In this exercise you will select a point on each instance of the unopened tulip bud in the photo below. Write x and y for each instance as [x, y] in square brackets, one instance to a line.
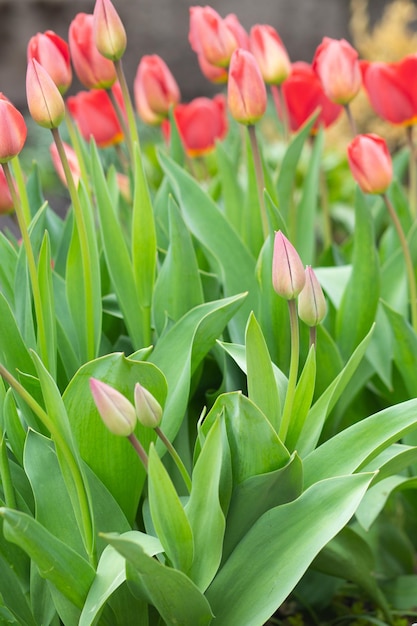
[109, 32]
[246, 91]
[288, 276]
[270, 54]
[155, 89]
[210, 36]
[370, 163]
[52, 52]
[311, 302]
[148, 409]
[45, 102]
[115, 410]
[337, 65]
[13, 130]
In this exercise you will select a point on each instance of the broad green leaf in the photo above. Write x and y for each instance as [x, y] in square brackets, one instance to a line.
[303, 397]
[63, 567]
[392, 460]
[356, 446]
[8, 261]
[376, 498]
[279, 548]
[174, 595]
[168, 516]
[262, 388]
[48, 304]
[334, 281]
[204, 511]
[13, 427]
[13, 595]
[404, 348]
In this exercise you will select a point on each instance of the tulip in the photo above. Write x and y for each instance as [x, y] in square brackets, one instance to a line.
[92, 68]
[94, 113]
[288, 276]
[236, 28]
[200, 123]
[109, 33]
[210, 36]
[115, 410]
[13, 130]
[52, 52]
[214, 74]
[337, 66]
[392, 90]
[45, 102]
[311, 302]
[155, 89]
[148, 409]
[246, 91]
[72, 162]
[6, 201]
[270, 54]
[303, 95]
[370, 163]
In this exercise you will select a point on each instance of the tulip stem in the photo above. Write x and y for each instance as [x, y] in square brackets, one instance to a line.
[313, 336]
[351, 120]
[139, 449]
[33, 272]
[75, 141]
[132, 136]
[176, 457]
[284, 113]
[259, 178]
[408, 261]
[293, 373]
[412, 169]
[121, 118]
[21, 185]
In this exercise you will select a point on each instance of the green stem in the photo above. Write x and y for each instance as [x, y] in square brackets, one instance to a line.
[33, 272]
[72, 463]
[176, 457]
[313, 336]
[351, 120]
[84, 245]
[132, 136]
[5, 475]
[139, 449]
[21, 185]
[259, 178]
[407, 258]
[293, 373]
[76, 144]
[121, 119]
[412, 169]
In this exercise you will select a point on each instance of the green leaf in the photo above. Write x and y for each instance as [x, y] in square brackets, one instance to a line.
[175, 596]
[232, 193]
[303, 397]
[279, 548]
[13, 595]
[8, 261]
[251, 211]
[47, 300]
[404, 348]
[376, 498]
[13, 427]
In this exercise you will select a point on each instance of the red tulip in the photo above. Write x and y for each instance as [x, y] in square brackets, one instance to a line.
[210, 36]
[270, 54]
[13, 130]
[200, 123]
[303, 94]
[6, 202]
[392, 89]
[45, 102]
[92, 68]
[246, 92]
[155, 89]
[52, 52]
[109, 33]
[94, 113]
[370, 163]
[337, 66]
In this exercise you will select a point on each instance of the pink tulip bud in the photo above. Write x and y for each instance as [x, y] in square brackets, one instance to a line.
[270, 54]
[148, 409]
[337, 65]
[13, 130]
[52, 52]
[311, 302]
[288, 276]
[155, 89]
[115, 410]
[109, 32]
[45, 103]
[370, 163]
[210, 36]
[246, 91]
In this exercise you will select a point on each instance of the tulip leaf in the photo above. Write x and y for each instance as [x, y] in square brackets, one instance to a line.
[231, 191]
[8, 262]
[303, 397]
[13, 595]
[48, 304]
[404, 348]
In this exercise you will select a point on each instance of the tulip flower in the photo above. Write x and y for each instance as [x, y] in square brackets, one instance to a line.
[337, 65]
[370, 163]
[109, 33]
[6, 201]
[148, 409]
[13, 130]
[270, 54]
[392, 89]
[303, 95]
[155, 89]
[94, 113]
[236, 28]
[311, 302]
[72, 162]
[210, 36]
[117, 413]
[45, 102]
[246, 91]
[200, 123]
[288, 276]
[52, 52]
[92, 68]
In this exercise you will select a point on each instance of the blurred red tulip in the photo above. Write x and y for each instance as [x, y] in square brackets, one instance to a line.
[94, 113]
[303, 95]
[52, 52]
[270, 53]
[200, 123]
[155, 89]
[337, 65]
[392, 89]
[6, 202]
[94, 71]
[246, 91]
[13, 130]
[370, 163]
[210, 36]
